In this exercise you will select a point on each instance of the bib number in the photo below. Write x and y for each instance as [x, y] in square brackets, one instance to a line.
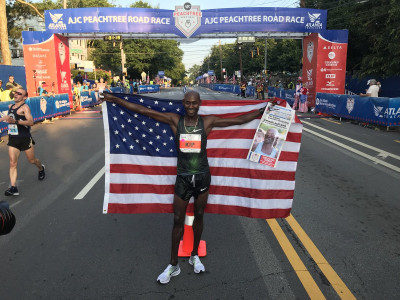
[190, 143]
[12, 129]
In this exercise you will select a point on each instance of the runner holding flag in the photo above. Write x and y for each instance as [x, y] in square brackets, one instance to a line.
[193, 173]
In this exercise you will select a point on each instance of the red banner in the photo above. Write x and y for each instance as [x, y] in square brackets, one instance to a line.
[331, 67]
[47, 66]
[310, 51]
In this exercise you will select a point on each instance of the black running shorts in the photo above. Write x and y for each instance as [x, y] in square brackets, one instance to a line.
[187, 186]
[21, 143]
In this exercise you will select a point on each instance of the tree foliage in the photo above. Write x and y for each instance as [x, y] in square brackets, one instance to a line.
[374, 35]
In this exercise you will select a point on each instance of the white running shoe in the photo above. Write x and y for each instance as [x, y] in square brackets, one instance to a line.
[197, 265]
[170, 271]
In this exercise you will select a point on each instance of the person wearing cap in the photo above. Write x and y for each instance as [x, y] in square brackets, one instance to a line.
[373, 89]
[42, 89]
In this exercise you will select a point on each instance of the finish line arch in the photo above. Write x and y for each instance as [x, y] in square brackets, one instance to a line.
[46, 53]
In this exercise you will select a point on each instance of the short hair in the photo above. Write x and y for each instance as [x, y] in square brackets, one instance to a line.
[372, 81]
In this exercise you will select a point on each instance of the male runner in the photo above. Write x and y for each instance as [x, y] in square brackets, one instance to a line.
[19, 121]
[193, 178]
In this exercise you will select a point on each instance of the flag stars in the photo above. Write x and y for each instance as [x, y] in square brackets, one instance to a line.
[171, 138]
[122, 125]
[143, 135]
[117, 146]
[157, 124]
[164, 131]
[131, 147]
[158, 137]
[151, 129]
[144, 148]
[143, 123]
[124, 140]
[116, 131]
[178, 109]
[158, 150]
[151, 143]
[135, 115]
[165, 144]
[163, 109]
[114, 104]
[136, 128]
[171, 150]
[141, 100]
[115, 118]
[129, 120]
[137, 141]
[130, 133]
[156, 102]
[121, 112]
[170, 103]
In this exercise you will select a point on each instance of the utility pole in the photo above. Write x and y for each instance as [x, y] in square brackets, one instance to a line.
[5, 46]
[220, 60]
[65, 4]
[241, 67]
[123, 61]
[265, 57]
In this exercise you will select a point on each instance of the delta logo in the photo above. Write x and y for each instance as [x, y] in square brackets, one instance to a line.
[58, 23]
[315, 22]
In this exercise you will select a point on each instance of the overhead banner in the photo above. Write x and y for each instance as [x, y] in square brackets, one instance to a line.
[185, 21]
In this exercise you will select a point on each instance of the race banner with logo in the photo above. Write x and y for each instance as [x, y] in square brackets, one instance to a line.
[310, 49]
[382, 111]
[186, 21]
[324, 63]
[331, 65]
[46, 57]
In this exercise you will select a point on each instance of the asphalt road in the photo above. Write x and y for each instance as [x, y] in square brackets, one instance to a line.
[346, 201]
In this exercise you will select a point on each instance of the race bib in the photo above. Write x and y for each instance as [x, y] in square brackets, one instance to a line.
[190, 143]
[12, 129]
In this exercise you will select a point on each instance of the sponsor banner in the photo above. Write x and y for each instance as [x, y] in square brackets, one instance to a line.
[62, 64]
[41, 108]
[46, 58]
[229, 88]
[39, 62]
[331, 65]
[382, 111]
[185, 21]
[287, 95]
[310, 49]
[148, 89]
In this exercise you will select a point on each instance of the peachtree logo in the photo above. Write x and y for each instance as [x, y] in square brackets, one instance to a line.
[315, 23]
[57, 22]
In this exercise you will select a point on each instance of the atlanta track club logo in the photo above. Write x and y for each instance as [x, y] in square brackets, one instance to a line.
[187, 18]
[315, 22]
[57, 20]
[350, 104]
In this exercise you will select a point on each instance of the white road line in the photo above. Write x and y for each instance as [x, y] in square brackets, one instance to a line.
[370, 157]
[380, 151]
[14, 204]
[91, 183]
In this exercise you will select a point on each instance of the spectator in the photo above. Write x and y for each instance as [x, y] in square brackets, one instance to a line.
[7, 95]
[373, 89]
[42, 89]
[1, 86]
[79, 78]
[303, 105]
[85, 86]
[13, 83]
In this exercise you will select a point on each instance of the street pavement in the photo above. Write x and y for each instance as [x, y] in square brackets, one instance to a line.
[346, 201]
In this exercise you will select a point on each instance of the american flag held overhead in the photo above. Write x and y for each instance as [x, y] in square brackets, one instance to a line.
[141, 161]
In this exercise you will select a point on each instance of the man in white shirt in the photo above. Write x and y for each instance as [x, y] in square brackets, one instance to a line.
[373, 89]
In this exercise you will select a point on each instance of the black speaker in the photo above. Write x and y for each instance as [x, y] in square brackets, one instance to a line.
[7, 218]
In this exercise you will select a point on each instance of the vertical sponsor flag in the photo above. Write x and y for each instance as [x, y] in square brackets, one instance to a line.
[141, 162]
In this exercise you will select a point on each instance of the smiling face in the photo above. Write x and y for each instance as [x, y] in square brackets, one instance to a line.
[259, 137]
[192, 103]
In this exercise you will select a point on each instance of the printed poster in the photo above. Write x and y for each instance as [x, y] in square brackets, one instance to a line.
[270, 135]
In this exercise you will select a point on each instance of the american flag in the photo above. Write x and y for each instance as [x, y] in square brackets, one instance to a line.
[141, 162]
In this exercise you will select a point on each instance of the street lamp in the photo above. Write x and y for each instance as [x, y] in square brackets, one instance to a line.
[240, 57]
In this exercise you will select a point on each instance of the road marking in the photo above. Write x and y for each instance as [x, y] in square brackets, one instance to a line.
[353, 141]
[397, 141]
[330, 274]
[14, 204]
[91, 183]
[336, 122]
[304, 275]
[370, 157]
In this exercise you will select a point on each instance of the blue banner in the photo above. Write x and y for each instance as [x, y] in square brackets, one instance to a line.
[382, 111]
[41, 108]
[152, 88]
[184, 22]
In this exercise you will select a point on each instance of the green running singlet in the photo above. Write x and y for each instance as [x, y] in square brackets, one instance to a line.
[191, 143]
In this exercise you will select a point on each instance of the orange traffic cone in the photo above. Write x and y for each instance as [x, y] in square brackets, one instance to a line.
[186, 245]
